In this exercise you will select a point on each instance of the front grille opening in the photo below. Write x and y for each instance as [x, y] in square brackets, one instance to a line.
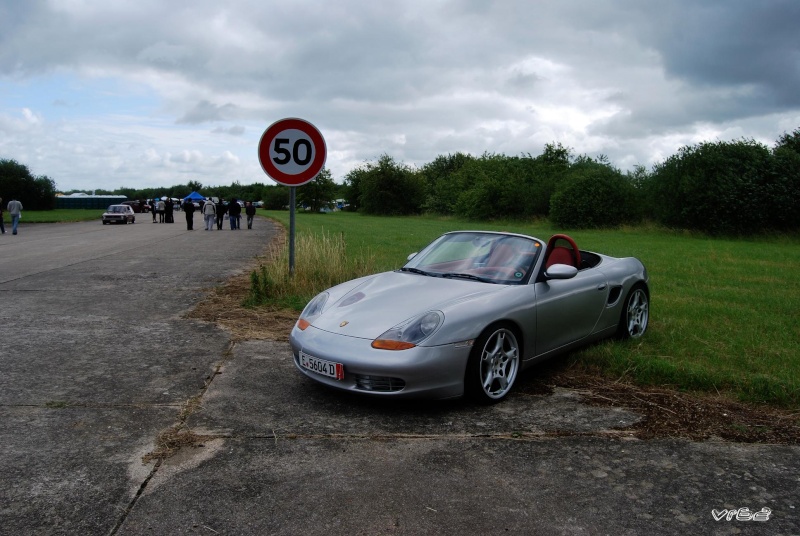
[382, 384]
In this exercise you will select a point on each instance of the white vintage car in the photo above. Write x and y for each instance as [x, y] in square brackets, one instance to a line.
[119, 214]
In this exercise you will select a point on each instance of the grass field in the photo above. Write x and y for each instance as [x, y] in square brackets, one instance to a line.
[56, 216]
[724, 313]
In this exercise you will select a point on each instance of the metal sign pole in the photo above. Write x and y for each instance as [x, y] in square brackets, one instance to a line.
[291, 229]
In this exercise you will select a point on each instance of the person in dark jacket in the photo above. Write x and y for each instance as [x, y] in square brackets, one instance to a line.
[188, 208]
[250, 211]
[221, 208]
[169, 206]
[234, 213]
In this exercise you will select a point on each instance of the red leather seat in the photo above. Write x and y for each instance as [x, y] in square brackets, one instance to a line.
[571, 256]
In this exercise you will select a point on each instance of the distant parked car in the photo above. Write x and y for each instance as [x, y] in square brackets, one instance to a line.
[119, 214]
[137, 206]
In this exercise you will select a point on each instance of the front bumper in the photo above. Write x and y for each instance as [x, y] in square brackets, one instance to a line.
[420, 372]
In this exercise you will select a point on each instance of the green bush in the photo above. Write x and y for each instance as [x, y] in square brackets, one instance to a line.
[782, 188]
[499, 186]
[719, 188]
[390, 188]
[593, 197]
[17, 182]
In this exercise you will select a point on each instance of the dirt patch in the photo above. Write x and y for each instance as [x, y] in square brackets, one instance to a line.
[223, 305]
[674, 414]
[667, 413]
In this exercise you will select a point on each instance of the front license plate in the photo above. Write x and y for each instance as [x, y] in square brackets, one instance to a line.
[321, 366]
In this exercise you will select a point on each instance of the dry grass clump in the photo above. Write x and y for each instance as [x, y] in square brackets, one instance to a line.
[170, 441]
[321, 261]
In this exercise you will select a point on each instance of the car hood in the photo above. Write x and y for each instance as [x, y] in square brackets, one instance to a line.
[385, 300]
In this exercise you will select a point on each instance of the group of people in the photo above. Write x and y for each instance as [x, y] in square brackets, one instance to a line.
[15, 211]
[214, 213]
[163, 209]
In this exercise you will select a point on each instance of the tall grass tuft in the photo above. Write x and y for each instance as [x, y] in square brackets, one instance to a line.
[322, 260]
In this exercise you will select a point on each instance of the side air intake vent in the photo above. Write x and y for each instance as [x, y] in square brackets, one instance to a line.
[613, 295]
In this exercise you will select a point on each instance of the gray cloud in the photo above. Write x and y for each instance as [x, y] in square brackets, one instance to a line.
[631, 79]
[205, 111]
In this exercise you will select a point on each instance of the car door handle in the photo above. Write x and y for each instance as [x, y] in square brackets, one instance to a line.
[601, 286]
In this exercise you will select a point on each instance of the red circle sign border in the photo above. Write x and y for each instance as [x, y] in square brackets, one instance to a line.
[320, 151]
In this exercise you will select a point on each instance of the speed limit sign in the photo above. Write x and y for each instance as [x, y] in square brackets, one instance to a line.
[292, 152]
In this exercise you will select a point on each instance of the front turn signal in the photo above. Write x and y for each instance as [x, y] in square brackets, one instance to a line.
[388, 344]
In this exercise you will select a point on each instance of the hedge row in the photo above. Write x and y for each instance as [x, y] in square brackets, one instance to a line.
[739, 187]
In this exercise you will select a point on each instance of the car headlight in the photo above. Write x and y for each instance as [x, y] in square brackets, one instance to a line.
[312, 310]
[410, 333]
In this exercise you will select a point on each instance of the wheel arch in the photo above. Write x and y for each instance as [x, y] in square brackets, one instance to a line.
[511, 324]
[475, 375]
[638, 285]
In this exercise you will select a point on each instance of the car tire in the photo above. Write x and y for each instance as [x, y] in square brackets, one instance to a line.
[635, 313]
[493, 365]
[104, 222]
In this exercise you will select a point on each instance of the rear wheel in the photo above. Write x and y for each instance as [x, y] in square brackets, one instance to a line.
[635, 314]
[493, 365]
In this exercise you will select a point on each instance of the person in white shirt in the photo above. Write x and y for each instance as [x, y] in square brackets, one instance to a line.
[209, 214]
[15, 211]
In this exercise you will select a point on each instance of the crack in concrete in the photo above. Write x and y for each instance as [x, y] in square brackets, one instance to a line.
[178, 431]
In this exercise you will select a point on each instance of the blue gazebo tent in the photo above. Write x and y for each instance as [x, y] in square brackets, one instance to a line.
[194, 196]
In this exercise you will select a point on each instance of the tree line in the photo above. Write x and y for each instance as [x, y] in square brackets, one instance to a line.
[736, 187]
[724, 188]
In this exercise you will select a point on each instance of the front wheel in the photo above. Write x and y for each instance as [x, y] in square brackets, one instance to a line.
[493, 365]
[635, 314]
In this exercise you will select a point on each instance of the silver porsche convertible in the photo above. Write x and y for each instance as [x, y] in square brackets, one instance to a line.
[466, 314]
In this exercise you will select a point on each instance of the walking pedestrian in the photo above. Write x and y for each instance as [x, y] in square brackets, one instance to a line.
[209, 214]
[2, 225]
[188, 208]
[15, 210]
[234, 213]
[250, 211]
[162, 207]
[220, 213]
[169, 207]
[153, 209]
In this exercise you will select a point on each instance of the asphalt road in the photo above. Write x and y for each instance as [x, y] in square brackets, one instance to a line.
[98, 360]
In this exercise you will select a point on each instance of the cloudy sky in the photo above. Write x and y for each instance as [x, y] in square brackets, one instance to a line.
[110, 93]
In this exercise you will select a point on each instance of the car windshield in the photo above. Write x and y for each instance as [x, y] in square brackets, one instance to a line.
[487, 257]
[118, 208]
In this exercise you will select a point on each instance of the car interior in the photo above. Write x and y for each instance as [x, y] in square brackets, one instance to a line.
[561, 249]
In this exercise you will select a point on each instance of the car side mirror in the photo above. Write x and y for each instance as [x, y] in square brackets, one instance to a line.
[561, 271]
[411, 256]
